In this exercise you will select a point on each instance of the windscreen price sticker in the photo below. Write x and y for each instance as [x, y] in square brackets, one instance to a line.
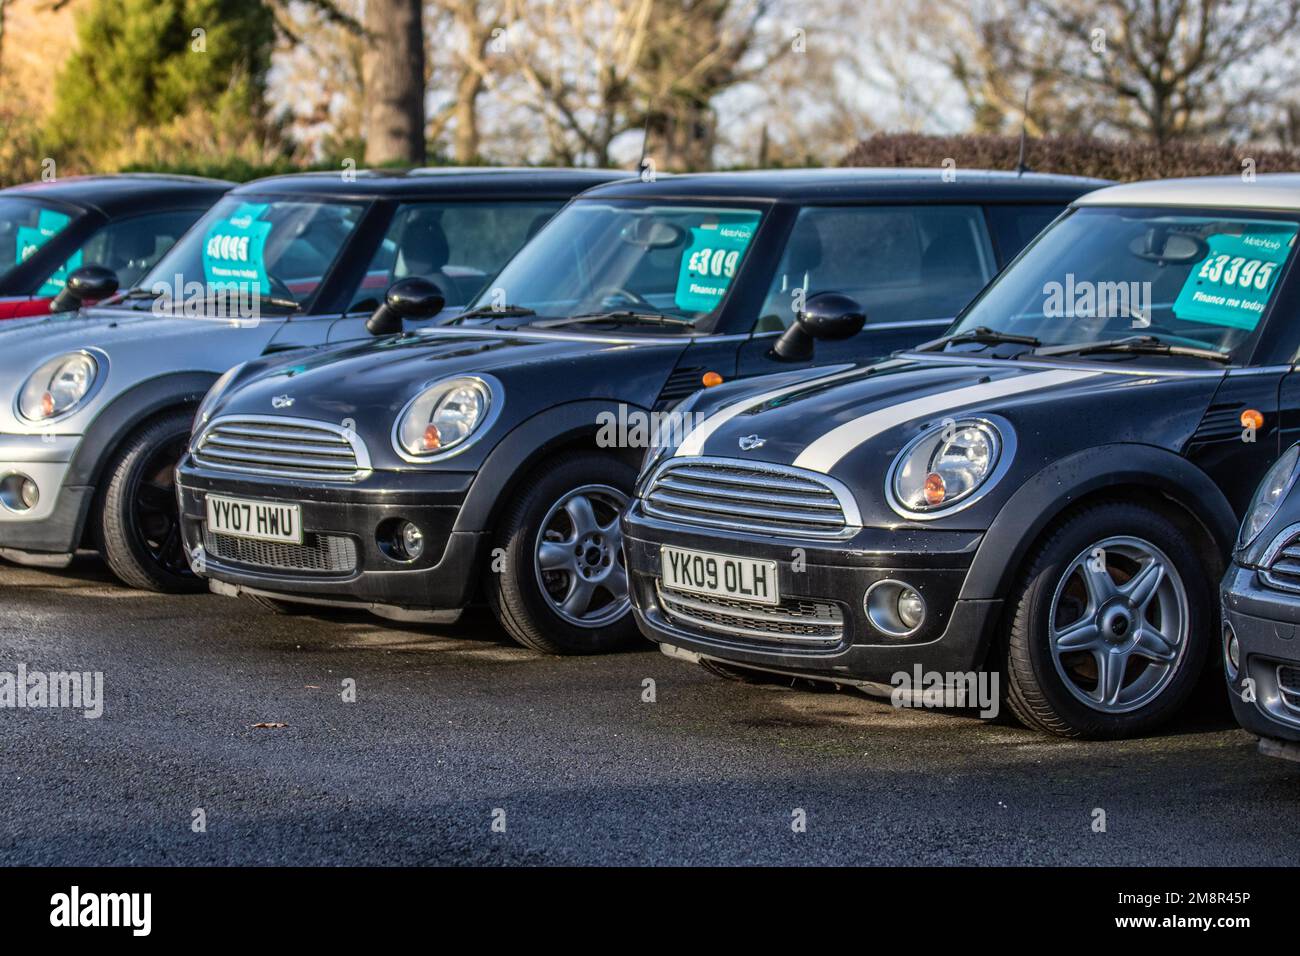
[709, 263]
[1233, 283]
[233, 251]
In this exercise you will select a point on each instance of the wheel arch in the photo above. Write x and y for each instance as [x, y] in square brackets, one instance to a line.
[1120, 471]
[574, 425]
[122, 417]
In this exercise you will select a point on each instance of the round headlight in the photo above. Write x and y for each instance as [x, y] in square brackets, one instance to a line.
[443, 416]
[57, 387]
[945, 465]
[1269, 495]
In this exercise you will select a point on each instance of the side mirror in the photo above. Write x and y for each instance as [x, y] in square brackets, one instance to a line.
[826, 315]
[87, 284]
[409, 298]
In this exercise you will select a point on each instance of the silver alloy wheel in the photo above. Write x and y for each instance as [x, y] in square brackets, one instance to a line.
[1119, 624]
[579, 557]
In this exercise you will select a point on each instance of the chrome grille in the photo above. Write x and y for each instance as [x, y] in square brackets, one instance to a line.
[749, 496]
[282, 448]
[1288, 683]
[794, 620]
[1282, 564]
[323, 553]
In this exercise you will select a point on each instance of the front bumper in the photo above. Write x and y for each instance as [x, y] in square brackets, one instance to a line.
[342, 562]
[1266, 622]
[49, 533]
[820, 575]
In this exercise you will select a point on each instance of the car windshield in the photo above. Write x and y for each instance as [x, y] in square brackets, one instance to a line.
[663, 266]
[1199, 279]
[25, 226]
[268, 254]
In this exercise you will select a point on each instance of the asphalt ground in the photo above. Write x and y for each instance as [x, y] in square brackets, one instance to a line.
[461, 748]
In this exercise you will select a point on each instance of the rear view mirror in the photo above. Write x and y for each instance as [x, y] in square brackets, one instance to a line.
[1172, 248]
[826, 315]
[87, 284]
[652, 233]
[410, 298]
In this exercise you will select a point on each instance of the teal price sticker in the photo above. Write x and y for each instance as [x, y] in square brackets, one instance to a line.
[234, 250]
[1233, 284]
[709, 262]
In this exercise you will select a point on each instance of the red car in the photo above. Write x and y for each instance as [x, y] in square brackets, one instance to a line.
[121, 223]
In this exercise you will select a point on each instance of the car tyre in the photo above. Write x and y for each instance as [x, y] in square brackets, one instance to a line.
[562, 586]
[1109, 625]
[139, 527]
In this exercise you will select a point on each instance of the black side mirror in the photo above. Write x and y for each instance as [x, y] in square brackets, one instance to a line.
[409, 298]
[87, 284]
[826, 315]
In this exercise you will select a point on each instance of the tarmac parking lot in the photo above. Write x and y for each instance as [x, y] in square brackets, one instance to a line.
[461, 748]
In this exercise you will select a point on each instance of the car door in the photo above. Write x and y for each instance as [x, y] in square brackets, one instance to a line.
[912, 268]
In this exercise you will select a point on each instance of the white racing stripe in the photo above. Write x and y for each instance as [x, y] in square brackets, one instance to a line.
[825, 452]
[694, 443]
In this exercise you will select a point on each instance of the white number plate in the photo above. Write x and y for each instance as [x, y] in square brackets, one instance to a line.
[719, 574]
[256, 520]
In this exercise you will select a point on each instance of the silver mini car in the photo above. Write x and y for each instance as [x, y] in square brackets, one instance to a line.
[96, 406]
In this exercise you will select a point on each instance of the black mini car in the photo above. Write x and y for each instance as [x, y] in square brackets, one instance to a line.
[1047, 494]
[1261, 613]
[122, 223]
[494, 453]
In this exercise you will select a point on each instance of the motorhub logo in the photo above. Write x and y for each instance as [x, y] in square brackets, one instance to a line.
[77, 909]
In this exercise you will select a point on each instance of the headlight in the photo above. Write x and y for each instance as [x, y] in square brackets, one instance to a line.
[1269, 495]
[442, 417]
[214, 394]
[944, 466]
[57, 387]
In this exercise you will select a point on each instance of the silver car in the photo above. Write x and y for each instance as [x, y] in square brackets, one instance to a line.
[96, 406]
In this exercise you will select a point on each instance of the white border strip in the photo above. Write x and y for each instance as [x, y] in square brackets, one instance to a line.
[694, 443]
[824, 453]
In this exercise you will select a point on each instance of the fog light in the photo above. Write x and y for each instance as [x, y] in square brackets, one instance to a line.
[412, 541]
[19, 493]
[894, 608]
[1231, 652]
[911, 609]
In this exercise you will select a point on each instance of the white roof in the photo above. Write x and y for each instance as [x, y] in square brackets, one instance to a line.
[1266, 191]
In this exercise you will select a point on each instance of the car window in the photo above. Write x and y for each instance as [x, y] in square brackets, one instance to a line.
[901, 263]
[676, 262]
[1196, 277]
[1015, 226]
[25, 226]
[459, 246]
[276, 252]
[130, 247]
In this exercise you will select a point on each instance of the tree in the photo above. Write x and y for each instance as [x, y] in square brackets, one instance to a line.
[143, 64]
[393, 81]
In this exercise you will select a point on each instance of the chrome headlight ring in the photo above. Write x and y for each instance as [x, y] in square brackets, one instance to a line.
[1001, 438]
[95, 359]
[432, 394]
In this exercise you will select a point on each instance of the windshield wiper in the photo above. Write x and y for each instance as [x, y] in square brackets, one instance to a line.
[981, 334]
[1148, 344]
[494, 312]
[622, 315]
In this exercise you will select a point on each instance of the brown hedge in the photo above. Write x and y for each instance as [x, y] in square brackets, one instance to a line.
[1076, 155]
